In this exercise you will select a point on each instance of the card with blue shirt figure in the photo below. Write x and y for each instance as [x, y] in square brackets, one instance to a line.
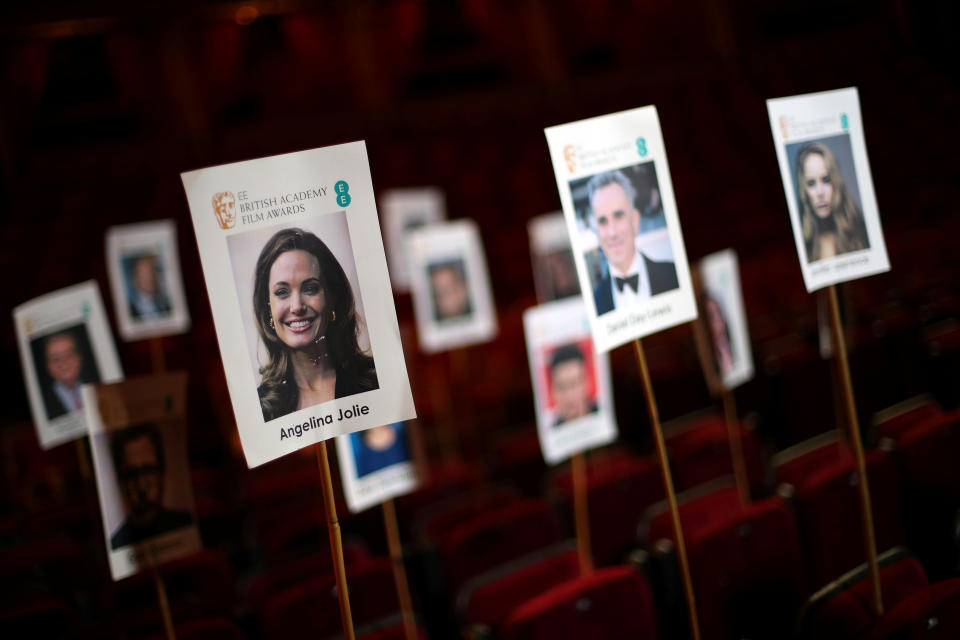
[376, 465]
[619, 207]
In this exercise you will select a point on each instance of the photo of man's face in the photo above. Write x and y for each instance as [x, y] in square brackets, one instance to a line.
[570, 384]
[63, 359]
[139, 459]
[617, 222]
[141, 477]
[145, 274]
[450, 293]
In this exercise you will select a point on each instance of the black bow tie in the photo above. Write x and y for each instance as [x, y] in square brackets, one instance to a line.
[632, 281]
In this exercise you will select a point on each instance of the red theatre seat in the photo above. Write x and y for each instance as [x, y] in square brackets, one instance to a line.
[827, 500]
[842, 609]
[391, 632]
[745, 563]
[488, 598]
[310, 608]
[932, 614]
[927, 457]
[620, 489]
[609, 604]
[497, 537]
[895, 421]
[700, 452]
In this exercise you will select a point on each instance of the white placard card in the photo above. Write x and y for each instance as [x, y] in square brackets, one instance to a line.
[730, 360]
[376, 465]
[554, 272]
[144, 269]
[64, 343]
[138, 438]
[617, 198]
[451, 287]
[403, 211]
[297, 279]
[826, 176]
[571, 380]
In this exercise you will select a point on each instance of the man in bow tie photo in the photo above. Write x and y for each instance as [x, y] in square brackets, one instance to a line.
[615, 218]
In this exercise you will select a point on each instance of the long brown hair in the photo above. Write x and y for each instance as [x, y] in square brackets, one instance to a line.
[277, 390]
[845, 215]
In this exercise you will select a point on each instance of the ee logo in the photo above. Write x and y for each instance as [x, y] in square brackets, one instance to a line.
[844, 121]
[342, 189]
[642, 147]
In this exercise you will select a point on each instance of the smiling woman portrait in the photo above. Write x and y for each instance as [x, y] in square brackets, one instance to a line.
[830, 219]
[307, 319]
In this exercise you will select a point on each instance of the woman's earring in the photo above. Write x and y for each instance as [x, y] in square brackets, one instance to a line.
[271, 325]
[333, 315]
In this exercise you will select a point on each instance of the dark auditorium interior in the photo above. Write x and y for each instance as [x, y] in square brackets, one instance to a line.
[104, 103]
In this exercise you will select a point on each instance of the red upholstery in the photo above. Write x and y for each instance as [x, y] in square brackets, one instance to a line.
[497, 537]
[288, 574]
[40, 618]
[931, 614]
[927, 456]
[609, 604]
[310, 608]
[203, 582]
[205, 629]
[493, 596]
[701, 452]
[895, 426]
[695, 513]
[391, 632]
[746, 571]
[435, 521]
[827, 501]
[619, 491]
[845, 611]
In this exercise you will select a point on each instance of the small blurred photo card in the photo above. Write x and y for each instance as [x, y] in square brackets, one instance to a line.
[450, 284]
[138, 439]
[554, 272]
[65, 343]
[727, 358]
[826, 176]
[297, 279]
[617, 198]
[376, 465]
[145, 280]
[405, 210]
[571, 380]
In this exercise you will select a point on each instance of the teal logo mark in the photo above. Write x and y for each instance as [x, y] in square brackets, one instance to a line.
[342, 189]
[642, 147]
[844, 121]
[85, 309]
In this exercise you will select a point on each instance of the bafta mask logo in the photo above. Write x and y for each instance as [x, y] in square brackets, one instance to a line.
[570, 157]
[224, 206]
[785, 127]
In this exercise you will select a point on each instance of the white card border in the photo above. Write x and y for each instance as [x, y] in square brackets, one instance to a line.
[565, 321]
[393, 400]
[157, 233]
[48, 311]
[826, 106]
[709, 266]
[617, 134]
[384, 484]
[458, 239]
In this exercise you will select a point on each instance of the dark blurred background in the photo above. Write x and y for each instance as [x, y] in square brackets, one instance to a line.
[104, 103]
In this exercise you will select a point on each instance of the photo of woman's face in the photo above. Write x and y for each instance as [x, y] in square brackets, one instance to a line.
[718, 327]
[297, 298]
[817, 183]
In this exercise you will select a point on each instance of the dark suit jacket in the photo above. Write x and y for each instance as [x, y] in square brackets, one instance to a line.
[52, 403]
[663, 277]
